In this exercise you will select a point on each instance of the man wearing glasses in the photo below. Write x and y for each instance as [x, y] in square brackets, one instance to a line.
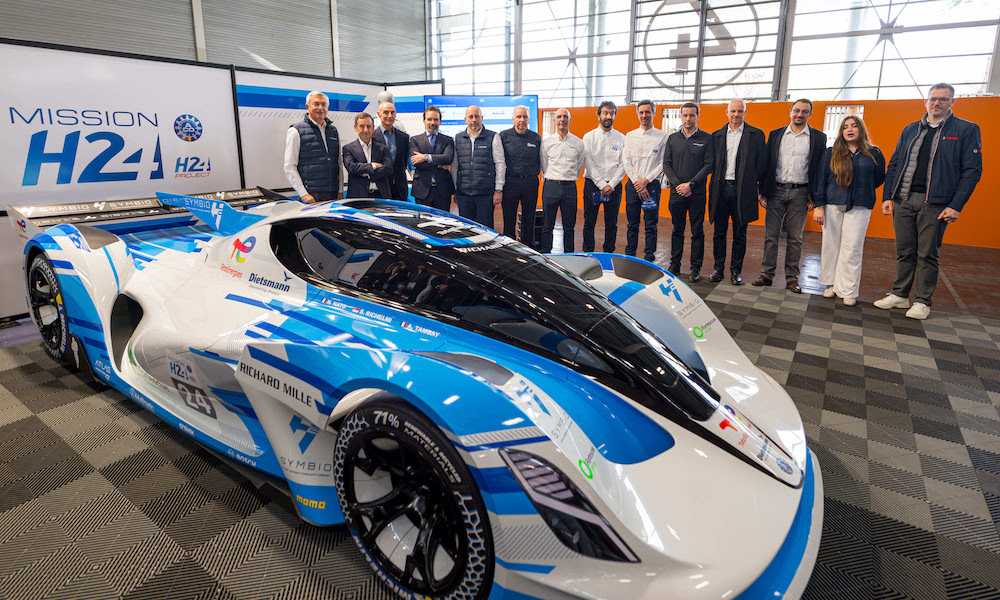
[933, 171]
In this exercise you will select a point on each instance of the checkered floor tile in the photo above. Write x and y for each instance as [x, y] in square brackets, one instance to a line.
[904, 417]
[99, 499]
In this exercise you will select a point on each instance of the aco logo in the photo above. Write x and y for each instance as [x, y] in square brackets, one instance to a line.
[188, 128]
[240, 249]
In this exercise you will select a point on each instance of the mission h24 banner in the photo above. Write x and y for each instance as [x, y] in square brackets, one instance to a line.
[86, 127]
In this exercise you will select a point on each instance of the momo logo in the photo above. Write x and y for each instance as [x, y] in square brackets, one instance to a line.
[297, 425]
[240, 249]
[188, 128]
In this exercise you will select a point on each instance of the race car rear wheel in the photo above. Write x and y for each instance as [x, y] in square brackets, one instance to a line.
[47, 308]
[412, 505]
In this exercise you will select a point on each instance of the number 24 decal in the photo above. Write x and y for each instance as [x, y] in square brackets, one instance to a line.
[195, 398]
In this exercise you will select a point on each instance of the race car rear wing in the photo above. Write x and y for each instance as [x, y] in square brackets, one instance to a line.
[28, 221]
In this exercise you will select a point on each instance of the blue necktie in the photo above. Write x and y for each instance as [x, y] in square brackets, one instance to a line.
[390, 142]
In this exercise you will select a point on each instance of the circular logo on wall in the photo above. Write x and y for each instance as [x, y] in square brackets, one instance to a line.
[188, 128]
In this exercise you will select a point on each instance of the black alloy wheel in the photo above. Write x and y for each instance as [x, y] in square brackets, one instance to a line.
[412, 505]
[47, 308]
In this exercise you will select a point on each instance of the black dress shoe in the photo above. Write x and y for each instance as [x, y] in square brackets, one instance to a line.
[715, 277]
[674, 269]
[736, 279]
[695, 277]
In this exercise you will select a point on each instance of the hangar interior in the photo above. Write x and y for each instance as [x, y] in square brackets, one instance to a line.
[101, 499]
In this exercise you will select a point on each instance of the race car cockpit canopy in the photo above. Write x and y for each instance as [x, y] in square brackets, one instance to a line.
[501, 289]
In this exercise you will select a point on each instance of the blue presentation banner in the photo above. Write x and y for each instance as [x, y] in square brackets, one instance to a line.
[498, 111]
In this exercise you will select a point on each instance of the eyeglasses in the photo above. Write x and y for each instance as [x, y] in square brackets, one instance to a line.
[938, 100]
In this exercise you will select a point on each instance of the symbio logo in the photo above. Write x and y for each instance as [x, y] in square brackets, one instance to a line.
[241, 248]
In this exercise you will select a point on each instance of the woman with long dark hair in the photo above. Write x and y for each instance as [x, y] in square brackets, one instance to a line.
[844, 194]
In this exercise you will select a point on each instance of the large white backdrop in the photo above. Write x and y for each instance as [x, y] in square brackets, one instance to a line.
[85, 127]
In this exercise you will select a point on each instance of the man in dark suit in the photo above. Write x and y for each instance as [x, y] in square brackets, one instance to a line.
[793, 156]
[398, 144]
[431, 154]
[740, 166]
[367, 162]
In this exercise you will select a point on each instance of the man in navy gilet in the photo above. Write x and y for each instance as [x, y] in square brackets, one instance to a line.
[312, 153]
[478, 169]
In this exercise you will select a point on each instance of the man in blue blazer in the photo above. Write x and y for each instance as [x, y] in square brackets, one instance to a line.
[367, 162]
[398, 143]
[431, 154]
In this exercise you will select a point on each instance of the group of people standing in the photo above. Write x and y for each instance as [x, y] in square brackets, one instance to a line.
[933, 171]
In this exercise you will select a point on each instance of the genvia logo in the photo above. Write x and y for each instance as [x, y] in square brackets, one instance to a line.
[241, 248]
[188, 128]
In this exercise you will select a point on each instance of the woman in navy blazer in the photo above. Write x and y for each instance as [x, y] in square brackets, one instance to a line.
[844, 194]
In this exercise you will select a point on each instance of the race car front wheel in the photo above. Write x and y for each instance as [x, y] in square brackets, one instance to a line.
[47, 308]
[412, 505]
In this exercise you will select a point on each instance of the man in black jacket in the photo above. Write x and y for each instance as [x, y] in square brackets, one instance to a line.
[687, 163]
[933, 170]
[793, 155]
[740, 166]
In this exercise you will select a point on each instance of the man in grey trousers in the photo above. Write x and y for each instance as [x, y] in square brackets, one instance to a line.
[936, 165]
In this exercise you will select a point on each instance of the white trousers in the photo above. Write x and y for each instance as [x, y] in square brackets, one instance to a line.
[843, 248]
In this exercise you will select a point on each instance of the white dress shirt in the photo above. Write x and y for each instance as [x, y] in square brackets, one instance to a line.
[732, 147]
[562, 157]
[367, 149]
[602, 155]
[292, 144]
[643, 154]
[499, 160]
[793, 156]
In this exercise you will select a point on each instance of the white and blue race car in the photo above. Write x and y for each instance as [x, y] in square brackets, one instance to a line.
[489, 422]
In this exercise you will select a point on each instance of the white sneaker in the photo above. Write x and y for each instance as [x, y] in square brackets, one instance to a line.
[850, 301]
[919, 310]
[828, 292]
[893, 301]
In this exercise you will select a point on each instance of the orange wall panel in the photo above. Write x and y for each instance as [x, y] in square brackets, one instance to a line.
[885, 120]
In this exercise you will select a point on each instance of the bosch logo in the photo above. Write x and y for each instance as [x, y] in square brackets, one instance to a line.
[188, 128]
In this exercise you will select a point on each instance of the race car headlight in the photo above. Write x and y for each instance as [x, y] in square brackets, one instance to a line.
[565, 509]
